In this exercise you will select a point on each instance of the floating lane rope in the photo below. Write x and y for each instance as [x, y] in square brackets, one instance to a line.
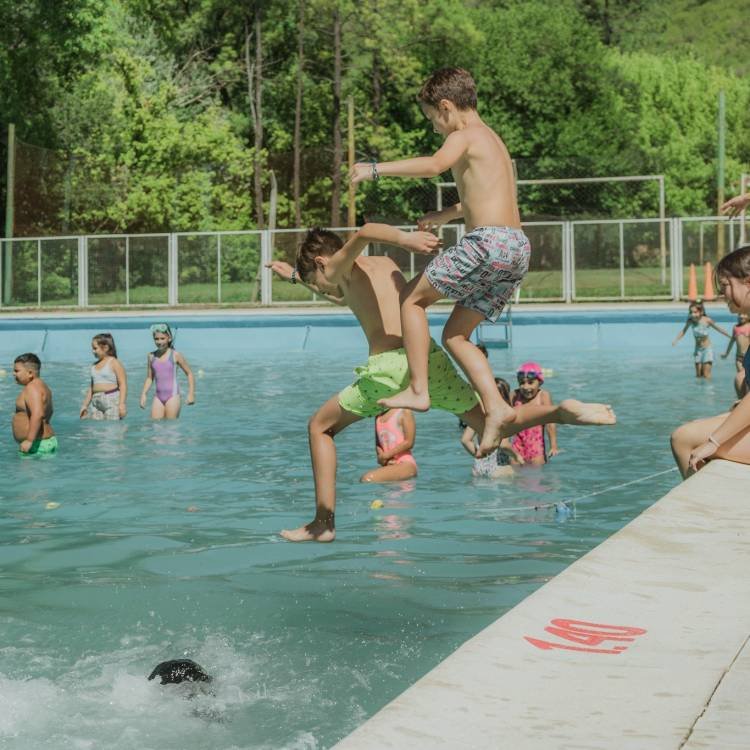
[567, 506]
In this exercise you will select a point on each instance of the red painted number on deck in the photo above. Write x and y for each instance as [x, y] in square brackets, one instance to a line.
[589, 634]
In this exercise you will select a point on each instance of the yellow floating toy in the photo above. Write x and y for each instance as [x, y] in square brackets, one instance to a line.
[52, 506]
[375, 504]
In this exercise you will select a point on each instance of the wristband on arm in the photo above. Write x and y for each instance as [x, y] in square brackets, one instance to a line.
[374, 167]
[714, 441]
[293, 277]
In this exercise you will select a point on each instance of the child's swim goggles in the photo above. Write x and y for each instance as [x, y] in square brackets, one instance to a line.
[528, 372]
[161, 328]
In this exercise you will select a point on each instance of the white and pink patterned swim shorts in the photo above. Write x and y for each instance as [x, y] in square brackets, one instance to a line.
[483, 270]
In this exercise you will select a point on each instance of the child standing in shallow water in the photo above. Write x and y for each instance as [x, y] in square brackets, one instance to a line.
[395, 431]
[498, 463]
[108, 390]
[31, 422]
[162, 368]
[700, 323]
[484, 269]
[530, 443]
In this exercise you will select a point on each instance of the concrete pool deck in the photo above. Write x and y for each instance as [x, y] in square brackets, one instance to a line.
[641, 644]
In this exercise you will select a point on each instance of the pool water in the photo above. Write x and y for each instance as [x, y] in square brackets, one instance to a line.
[141, 542]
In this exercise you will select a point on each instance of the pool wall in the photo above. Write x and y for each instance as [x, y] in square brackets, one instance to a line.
[67, 338]
[641, 643]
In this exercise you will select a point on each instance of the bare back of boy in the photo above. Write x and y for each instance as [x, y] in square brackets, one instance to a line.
[484, 178]
[37, 388]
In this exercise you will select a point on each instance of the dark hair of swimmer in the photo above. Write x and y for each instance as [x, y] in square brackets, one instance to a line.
[504, 387]
[106, 339]
[30, 360]
[176, 671]
[316, 242]
[735, 265]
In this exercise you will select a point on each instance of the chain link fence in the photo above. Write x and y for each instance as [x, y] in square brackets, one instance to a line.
[582, 260]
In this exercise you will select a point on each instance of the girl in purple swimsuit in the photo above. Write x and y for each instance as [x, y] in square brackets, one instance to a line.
[161, 368]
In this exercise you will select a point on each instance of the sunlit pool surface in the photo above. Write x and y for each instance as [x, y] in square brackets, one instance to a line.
[142, 542]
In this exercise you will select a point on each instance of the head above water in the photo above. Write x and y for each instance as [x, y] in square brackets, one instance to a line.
[317, 246]
[733, 279]
[176, 671]
[162, 334]
[530, 371]
[503, 386]
[29, 361]
[107, 342]
[696, 310]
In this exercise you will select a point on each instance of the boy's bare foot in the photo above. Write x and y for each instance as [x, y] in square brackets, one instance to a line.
[494, 421]
[407, 399]
[315, 531]
[578, 412]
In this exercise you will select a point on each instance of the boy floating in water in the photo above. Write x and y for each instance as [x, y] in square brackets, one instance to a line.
[370, 286]
[31, 427]
[484, 269]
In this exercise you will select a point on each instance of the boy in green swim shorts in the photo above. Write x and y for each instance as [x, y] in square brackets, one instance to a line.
[370, 287]
[31, 427]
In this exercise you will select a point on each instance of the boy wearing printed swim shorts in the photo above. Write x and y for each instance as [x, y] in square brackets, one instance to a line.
[370, 287]
[484, 269]
[31, 427]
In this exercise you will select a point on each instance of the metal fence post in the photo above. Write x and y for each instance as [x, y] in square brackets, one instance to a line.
[266, 279]
[83, 272]
[172, 271]
[622, 261]
[38, 273]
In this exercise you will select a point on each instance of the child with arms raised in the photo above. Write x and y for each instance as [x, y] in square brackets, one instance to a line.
[483, 270]
[370, 287]
[727, 435]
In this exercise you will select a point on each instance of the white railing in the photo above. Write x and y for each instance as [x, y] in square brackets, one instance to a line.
[595, 259]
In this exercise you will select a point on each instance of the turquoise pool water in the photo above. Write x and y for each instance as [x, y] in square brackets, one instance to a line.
[105, 571]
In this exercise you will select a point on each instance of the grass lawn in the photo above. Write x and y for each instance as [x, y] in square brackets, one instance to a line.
[600, 283]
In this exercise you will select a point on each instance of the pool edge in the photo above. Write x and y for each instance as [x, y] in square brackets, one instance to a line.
[675, 572]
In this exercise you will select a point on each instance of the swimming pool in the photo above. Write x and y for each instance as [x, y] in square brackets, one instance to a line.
[141, 542]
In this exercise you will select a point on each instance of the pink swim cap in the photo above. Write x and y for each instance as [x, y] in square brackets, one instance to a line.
[531, 368]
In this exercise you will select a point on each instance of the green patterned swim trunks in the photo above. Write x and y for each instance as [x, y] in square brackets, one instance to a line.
[45, 447]
[387, 373]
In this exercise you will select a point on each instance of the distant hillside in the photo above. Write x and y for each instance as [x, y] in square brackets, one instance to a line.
[715, 31]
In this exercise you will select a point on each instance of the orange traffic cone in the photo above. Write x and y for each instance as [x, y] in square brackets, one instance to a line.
[692, 285]
[708, 287]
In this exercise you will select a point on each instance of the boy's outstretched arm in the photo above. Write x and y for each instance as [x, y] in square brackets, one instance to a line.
[340, 265]
[732, 342]
[441, 161]
[284, 271]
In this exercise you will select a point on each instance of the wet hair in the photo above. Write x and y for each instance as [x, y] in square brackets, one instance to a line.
[735, 265]
[699, 305]
[30, 360]
[317, 242]
[454, 84]
[105, 339]
[163, 328]
[176, 671]
[504, 387]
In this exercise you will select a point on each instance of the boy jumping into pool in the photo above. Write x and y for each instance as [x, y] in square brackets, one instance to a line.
[484, 269]
[370, 287]
[31, 427]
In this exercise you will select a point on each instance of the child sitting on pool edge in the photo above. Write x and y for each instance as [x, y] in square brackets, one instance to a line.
[161, 367]
[727, 435]
[369, 286]
[31, 421]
